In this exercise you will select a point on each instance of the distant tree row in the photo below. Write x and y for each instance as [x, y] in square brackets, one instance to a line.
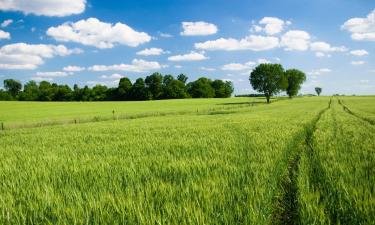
[155, 86]
[270, 79]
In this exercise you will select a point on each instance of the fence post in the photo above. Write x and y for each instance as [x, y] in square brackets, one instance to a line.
[2, 125]
[113, 113]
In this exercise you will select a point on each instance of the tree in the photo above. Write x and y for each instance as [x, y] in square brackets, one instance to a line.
[30, 92]
[182, 77]
[123, 90]
[154, 85]
[46, 91]
[318, 90]
[139, 91]
[201, 88]
[268, 79]
[295, 79]
[174, 90]
[13, 87]
[222, 89]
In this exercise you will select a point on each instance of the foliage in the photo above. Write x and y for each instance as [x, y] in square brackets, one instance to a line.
[156, 86]
[318, 90]
[268, 79]
[295, 79]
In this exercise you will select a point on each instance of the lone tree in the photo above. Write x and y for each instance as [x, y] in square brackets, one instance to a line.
[295, 79]
[268, 79]
[318, 90]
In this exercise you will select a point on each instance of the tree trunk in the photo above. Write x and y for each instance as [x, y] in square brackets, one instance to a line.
[268, 99]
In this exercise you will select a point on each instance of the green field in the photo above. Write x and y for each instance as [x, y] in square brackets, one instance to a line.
[196, 161]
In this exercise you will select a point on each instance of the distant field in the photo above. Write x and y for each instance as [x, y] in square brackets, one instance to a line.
[15, 111]
[301, 161]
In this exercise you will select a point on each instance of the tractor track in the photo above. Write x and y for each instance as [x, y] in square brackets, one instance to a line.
[346, 109]
[287, 207]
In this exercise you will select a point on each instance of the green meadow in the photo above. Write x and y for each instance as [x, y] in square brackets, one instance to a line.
[309, 160]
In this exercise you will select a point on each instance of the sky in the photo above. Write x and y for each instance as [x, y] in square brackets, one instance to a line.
[89, 42]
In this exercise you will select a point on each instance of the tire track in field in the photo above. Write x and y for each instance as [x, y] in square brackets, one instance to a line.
[346, 109]
[332, 197]
[287, 207]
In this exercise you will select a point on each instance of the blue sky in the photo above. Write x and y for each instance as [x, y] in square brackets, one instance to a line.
[91, 42]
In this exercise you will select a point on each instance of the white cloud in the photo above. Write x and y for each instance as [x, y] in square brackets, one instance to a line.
[29, 56]
[53, 74]
[252, 42]
[295, 40]
[4, 35]
[364, 81]
[6, 23]
[165, 35]
[357, 63]
[112, 76]
[238, 66]
[178, 66]
[207, 69]
[359, 52]
[137, 65]
[271, 25]
[260, 61]
[36, 78]
[45, 7]
[192, 56]
[319, 72]
[198, 28]
[151, 51]
[321, 46]
[322, 54]
[73, 68]
[361, 29]
[93, 32]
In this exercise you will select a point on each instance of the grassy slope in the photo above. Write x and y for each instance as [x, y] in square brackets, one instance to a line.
[192, 169]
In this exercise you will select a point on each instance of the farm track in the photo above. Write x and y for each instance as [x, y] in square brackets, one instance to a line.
[287, 207]
[331, 194]
[346, 109]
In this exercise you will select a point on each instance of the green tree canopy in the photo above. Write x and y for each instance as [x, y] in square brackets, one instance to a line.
[222, 89]
[295, 79]
[12, 86]
[124, 87]
[318, 90]
[201, 88]
[154, 84]
[268, 79]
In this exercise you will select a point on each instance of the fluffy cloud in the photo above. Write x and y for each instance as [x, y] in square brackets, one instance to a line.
[321, 46]
[359, 52]
[28, 56]
[319, 71]
[198, 28]
[151, 51]
[4, 35]
[112, 76]
[252, 42]
[6, 23]
[45, 7]
[93, 32]
[137, 65]
[238, 66]
[53, 74]
[295, 40]
[270, 25]
[73, 68]
[361, 28]
[357, 63]
[192, 56]
[207, 69]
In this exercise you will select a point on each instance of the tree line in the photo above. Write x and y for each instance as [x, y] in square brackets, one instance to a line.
[153, 87]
